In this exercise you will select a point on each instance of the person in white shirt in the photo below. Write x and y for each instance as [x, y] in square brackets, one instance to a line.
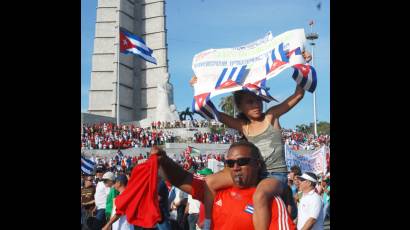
[119, 222]
[310, 208]
[193, 212]
[178, 203]
[101, 192]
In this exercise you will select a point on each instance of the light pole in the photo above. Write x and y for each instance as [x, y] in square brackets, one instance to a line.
[118, 67]
[312, 36]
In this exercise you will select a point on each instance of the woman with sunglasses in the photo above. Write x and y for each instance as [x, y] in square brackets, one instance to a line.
[262, 129]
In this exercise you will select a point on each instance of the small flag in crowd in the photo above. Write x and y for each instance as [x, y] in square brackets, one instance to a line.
[131, 43]
[191, 150]
[87, 166]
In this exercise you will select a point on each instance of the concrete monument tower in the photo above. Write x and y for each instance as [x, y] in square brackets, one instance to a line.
[144, 89]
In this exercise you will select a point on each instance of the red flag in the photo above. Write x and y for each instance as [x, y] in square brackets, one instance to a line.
[139, 201]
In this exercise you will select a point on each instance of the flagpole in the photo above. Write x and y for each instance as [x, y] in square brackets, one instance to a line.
[118, 67]
[314, 102]
[312, 36]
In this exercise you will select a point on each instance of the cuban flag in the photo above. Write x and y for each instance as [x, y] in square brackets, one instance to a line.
[203, 106]
[87, 166]
[260, 89]
[231, 77]
[249, 209]
[131, 43]
[305, 77]
[278, 59]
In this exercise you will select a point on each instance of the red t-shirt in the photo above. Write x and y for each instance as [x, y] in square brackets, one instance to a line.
[233, 208]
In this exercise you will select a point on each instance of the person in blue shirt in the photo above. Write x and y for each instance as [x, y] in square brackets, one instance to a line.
[326, 197]
[163, 206]
[294, 171]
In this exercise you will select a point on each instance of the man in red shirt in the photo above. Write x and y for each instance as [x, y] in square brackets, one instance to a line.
[233, 206]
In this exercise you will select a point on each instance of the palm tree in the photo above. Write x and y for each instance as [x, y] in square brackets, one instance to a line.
[227, 105]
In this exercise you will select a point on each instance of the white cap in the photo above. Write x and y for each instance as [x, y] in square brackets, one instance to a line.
[309, 176]
[109, 176]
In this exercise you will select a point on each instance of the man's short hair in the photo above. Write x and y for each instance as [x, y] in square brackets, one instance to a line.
[296, 170]
[254, 150]
[122, 179]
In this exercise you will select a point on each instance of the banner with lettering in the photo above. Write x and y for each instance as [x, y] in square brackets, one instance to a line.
[248, 67]
[308, 162]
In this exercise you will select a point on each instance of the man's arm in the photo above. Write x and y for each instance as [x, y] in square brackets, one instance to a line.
[112, 220]
[90, 202]
[313, 212]
[172, 172]
[309, 224]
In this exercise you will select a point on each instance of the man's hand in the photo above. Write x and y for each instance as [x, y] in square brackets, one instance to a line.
[106, 227]
[160, 153]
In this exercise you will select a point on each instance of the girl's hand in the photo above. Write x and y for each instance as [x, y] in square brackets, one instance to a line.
[307, 56]
[193, 80]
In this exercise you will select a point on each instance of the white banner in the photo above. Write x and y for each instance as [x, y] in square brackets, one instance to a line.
[248, 67]
[209, 64]
[310, 162]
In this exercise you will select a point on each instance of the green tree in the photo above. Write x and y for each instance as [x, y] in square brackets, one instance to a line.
[227, 105]
[303, 128]
[323, 127]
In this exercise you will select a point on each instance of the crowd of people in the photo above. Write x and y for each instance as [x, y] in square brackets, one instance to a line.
[185, 124]
[111, 136]
[304, 141]
[216, 138]
[182, 210]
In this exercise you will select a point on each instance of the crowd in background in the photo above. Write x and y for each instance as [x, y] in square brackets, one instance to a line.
[216, 138]
[111, 136]
[181, 211]
[304, 141]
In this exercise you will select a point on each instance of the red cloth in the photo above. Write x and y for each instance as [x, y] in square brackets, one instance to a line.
[139, 201]
[201, 217]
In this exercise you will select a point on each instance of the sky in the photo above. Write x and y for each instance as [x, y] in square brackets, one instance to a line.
[196, 25]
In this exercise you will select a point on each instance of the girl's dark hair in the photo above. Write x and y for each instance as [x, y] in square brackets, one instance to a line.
[237, 97]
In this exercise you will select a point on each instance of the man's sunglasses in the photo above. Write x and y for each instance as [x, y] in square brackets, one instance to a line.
[240, 161]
